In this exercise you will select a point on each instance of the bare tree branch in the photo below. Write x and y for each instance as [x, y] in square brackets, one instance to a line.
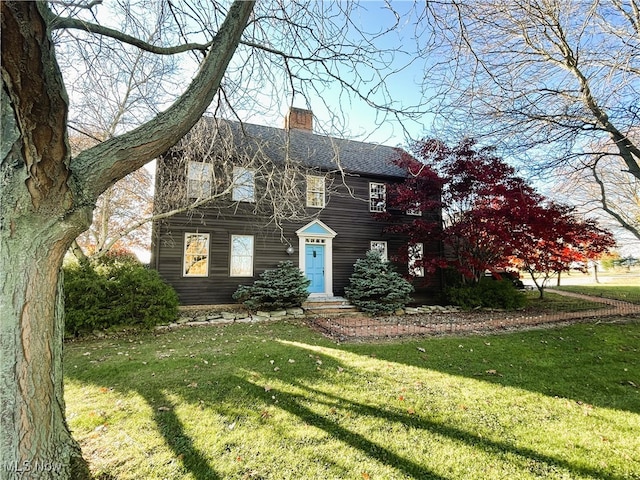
[542, 79]
[127, 152]
[58, 23]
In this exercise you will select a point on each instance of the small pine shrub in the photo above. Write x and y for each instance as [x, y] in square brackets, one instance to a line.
[376, 288]
[487, 293]
[282, 287]
[115, 292]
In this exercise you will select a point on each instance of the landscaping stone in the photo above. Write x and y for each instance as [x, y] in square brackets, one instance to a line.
[198, 323]
[215, 316]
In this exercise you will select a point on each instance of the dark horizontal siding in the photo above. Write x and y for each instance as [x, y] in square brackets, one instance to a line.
[347, 213]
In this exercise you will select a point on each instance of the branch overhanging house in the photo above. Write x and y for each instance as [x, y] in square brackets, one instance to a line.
[257, 195]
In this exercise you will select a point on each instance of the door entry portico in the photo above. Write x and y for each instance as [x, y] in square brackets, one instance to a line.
[316, 257]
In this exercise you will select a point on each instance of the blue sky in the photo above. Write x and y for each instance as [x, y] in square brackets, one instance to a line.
[340, 113]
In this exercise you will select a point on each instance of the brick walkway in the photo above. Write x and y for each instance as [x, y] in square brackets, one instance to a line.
[355, 327]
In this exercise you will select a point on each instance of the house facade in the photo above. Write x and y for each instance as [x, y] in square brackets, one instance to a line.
[325, 216]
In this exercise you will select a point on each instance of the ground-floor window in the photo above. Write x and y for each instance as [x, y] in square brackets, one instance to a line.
[380, 247]
[241, 256]
[416, 252]
[196, 255]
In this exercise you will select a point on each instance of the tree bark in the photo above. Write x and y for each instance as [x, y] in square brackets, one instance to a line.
[47, 201]
[36, 229]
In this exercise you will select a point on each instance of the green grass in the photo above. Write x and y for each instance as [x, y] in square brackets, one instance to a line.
[553, 302]
[278, 401]
[620, 292]
[620, 277]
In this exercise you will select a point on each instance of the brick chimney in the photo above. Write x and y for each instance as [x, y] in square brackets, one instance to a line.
[300, 119]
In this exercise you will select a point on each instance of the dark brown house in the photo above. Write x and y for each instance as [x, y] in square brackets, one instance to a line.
[323, 219]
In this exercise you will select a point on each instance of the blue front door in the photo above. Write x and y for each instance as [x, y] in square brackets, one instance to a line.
[314, 267]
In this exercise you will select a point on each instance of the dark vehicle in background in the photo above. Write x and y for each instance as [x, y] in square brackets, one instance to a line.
[513, 277]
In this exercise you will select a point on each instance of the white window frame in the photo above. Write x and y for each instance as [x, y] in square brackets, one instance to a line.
[244, 186]
[190, 258]
[199, 179]
[377, 197]
[380, 246]
[416, 212]
[415, 253]
[315, 191]
[237, 260]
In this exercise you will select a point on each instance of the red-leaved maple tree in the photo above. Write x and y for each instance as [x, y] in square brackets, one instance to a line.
[486, 217]
[552, 239]
[419, 197]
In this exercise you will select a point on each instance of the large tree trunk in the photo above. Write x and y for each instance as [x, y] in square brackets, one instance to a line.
[36, 442]
[46, 201]
[37, 226]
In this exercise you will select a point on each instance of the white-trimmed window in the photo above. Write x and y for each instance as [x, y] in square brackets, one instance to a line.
[199, 176]
[377, 197]
[196, 255]
[415, 211]
[243, 185]
[241, 256]
[380, 247]
[416, 252]
[315, 191]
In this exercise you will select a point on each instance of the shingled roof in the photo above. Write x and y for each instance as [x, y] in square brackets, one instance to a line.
[314, 151]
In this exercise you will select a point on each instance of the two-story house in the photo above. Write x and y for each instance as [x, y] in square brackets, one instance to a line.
[206, 251]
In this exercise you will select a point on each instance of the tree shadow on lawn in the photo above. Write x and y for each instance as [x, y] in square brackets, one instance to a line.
[294, 404]
[158, 391]
[172, 429]
[596, 364]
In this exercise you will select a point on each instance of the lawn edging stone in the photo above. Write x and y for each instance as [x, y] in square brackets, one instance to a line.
[201, 315]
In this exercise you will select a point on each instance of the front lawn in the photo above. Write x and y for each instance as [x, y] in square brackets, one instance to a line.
[553, 302]
[278, 401]
[625, 293]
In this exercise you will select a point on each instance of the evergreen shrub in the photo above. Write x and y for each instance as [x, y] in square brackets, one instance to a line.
[376, 288]
[115, 292]
[282, 287]
[487, 293]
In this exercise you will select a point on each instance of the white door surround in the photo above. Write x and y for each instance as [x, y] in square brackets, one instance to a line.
[317, 232]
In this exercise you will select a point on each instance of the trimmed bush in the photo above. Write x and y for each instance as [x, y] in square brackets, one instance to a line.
[282, 287]
[487, 293]
[115, 292]
[376, 288]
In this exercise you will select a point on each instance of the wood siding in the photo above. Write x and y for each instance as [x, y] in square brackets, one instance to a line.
[347, 213]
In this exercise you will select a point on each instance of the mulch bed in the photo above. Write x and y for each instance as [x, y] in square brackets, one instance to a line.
[361, 327]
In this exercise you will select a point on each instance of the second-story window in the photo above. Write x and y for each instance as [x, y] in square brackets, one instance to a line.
[243, 185]
[315, 191]
[199, 177]
[377, 197]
